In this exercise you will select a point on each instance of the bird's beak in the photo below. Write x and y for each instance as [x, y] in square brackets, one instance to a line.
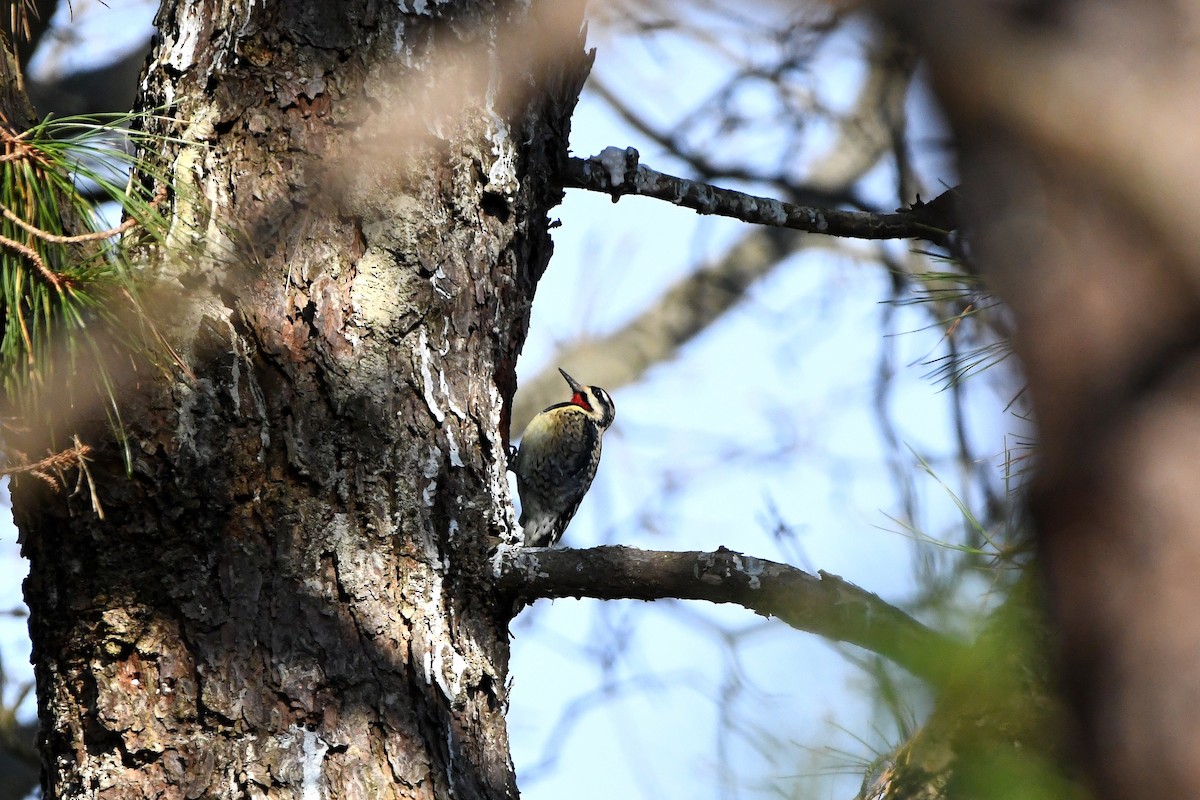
[575, 385]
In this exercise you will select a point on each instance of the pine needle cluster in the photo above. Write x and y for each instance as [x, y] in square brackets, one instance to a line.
[69, 300]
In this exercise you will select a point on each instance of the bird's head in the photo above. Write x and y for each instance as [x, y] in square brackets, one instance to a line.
[595, 402]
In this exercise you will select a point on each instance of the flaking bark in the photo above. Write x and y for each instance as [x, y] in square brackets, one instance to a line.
[280, 600]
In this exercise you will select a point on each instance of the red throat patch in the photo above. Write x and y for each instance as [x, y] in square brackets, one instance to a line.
[579, 400]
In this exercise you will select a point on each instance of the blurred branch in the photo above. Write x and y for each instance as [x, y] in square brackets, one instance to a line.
[1138, 99]
[871, 127]
[861, 138]
[684, 310]
[1083, 230]
[19, 759]
[108, 88]
[20, 762]
[823, 604]
[618, 173]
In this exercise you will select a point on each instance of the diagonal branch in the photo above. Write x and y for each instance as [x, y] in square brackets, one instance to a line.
[823, 604]
[656, 334]
[617, 172]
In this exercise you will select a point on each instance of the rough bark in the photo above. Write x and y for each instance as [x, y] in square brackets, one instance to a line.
[281, 599]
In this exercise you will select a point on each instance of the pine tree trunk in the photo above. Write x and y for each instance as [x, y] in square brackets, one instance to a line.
[287, 597]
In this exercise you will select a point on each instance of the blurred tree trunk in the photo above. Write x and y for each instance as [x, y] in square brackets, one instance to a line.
[1073, 124]
[284, 597]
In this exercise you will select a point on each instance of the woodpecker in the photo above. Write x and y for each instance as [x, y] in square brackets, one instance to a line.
[557, 460]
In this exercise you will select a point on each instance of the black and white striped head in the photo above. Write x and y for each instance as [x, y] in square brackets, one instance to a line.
[594, 401]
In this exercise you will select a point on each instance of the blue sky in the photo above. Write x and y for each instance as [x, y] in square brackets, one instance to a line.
[790, 367]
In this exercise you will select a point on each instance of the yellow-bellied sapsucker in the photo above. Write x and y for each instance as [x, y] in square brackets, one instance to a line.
[557, 460]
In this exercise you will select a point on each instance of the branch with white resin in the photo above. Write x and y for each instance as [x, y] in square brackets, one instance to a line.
[617, 172]
[823, 604]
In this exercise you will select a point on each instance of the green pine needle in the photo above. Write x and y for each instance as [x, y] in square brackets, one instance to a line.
[67, 287]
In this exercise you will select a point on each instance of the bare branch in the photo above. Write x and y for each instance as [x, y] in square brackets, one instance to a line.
[823, 604]
[819, 190]
[75, 457]
[617, 172]
[691, 305]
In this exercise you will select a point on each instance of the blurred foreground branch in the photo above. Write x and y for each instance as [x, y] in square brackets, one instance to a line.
[823, 604]
[1082, 172]
[618, 173]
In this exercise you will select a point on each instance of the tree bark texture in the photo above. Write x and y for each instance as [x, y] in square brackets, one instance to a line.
[282, 599]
